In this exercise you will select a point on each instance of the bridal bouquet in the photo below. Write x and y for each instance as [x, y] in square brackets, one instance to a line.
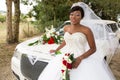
[67, 65]
[50, 37]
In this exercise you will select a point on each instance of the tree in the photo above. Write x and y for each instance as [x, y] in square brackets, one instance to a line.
[12, 31]
[106, 9]
[48, 12]
[16, 21]
[9, 38]
[51, 12]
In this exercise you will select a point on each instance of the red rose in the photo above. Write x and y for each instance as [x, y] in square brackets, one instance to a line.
[65, 62]
[69, 66]
[51, 40]
[62, 71]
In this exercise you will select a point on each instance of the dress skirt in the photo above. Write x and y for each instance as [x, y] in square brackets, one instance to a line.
[88, 69]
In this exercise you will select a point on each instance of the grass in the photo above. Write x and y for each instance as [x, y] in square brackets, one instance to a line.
[2, 32]
[25, 30]
[6, 53]
[6, 50]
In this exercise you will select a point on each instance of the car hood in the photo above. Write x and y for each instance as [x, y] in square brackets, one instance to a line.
[39, 50]
[24, 46]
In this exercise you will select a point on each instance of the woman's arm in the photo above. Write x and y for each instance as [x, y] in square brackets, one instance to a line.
[59, 47]
[91, 42]
[62, 44]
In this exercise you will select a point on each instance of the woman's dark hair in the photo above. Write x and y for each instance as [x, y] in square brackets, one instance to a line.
[77, 8]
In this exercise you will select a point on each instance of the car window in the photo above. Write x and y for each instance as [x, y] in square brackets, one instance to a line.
[98, 31]
[113, 26]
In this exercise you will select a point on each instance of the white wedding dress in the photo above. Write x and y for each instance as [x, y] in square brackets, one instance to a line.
[89, 69]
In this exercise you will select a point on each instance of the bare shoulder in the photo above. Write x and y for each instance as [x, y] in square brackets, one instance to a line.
[87, 30]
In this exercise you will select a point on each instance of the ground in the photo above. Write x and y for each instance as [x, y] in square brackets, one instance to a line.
[6, 52]
[115, 64]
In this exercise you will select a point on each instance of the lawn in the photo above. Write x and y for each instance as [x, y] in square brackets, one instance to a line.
[7, 51]
[25, 31]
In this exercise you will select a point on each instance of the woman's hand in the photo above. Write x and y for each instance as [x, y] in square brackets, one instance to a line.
[52, 51]
[76, 62]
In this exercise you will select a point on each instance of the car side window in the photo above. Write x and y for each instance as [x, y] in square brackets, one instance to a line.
[98, 31]
[113, 27]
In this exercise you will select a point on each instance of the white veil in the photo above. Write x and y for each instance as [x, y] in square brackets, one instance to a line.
[88, 12]
[99, 28]
[91, 20]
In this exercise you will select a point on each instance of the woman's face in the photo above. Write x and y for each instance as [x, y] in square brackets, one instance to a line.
[75, 17]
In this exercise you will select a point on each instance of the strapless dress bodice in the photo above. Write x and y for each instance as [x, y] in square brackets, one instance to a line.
[75, 42]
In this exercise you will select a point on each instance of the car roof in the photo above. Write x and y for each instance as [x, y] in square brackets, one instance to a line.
[99, 21]
[92, 21]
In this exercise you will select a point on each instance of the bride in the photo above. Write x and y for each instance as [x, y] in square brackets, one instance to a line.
[84, 67]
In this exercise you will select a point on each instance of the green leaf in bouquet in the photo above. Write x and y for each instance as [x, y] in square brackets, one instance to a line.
[55, 39]
[58, 52]
[45, 37]
[60, 38]
[72, 57]
[30, 44]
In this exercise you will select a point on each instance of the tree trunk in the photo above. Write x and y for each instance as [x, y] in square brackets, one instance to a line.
[9, 35]
[16, 21]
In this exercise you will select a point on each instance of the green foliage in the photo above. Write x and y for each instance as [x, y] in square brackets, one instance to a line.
[51, 12]
[23, 18]
[27, 2]
[54, 12]
[106, 9]
[2, 18]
